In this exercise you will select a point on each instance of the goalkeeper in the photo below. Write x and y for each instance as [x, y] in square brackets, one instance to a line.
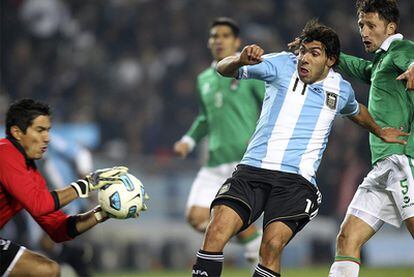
[22, 187]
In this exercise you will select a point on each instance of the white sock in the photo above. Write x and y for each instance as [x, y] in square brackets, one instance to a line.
[344, 269]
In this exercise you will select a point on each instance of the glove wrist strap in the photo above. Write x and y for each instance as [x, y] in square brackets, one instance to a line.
[99, 214]
[81, 187]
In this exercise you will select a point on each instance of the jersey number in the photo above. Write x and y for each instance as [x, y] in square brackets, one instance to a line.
[308, 205]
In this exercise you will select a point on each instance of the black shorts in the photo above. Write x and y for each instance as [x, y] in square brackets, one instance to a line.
[282, 196]
[9, 254]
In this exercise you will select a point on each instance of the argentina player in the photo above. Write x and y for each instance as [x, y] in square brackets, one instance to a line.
[277, 173]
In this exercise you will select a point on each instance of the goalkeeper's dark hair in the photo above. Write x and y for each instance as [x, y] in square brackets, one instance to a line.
[315, 31]
[387, 9]
[227, 21]
[22, 113]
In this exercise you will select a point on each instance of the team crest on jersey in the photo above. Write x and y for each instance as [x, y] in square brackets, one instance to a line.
[224, 188]
[331, 99]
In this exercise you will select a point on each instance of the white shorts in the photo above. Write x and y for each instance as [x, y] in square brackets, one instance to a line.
[207, 183]
[387, 193]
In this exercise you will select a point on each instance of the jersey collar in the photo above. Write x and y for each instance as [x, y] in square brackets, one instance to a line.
[386, 43]
[29, 162]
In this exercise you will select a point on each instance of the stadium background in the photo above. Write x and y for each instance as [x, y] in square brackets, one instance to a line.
[120, 75]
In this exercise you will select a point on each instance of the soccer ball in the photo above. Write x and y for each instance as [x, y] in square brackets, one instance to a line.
[123, 199]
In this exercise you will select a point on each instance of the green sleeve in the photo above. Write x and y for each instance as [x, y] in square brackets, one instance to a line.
[354, 67]
[404, 56]
[199, 128]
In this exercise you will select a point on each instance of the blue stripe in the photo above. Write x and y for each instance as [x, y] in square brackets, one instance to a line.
[257, 149]
[304, 128]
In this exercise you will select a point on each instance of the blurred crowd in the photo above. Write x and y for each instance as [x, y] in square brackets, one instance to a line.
[130, 67]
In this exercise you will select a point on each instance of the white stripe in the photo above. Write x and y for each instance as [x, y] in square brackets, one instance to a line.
[210, 257]
[320, 132]
[15, 259]
[264, 273]
[284, 126]
[312, 215]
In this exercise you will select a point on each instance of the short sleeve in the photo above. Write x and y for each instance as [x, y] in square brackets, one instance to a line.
[351, 106]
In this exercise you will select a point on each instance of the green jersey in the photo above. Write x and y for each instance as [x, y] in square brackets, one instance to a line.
[229, 110]
[390, 104]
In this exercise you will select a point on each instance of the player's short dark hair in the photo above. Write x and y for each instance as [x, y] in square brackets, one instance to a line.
[22, 113]
[315, 31]
[386, 9]
[227, 21]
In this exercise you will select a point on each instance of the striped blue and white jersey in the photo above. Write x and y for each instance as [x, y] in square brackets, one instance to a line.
[296, 118]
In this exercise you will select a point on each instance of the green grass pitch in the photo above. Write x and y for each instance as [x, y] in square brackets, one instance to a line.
[288, 272]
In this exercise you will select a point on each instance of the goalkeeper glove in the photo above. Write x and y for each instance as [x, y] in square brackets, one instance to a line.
[98, 179]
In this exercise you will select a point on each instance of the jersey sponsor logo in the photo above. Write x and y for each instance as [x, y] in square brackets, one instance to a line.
[224, 188]
[331, 100]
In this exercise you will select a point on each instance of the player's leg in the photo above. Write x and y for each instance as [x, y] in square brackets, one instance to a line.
[18, 261]
[275, 237]
[236, 206]
[365, 215]
[198, 217]
[34, 264]
[293, 198]
[354, 232]
[203, 191]
[251, 239]
[224, 224]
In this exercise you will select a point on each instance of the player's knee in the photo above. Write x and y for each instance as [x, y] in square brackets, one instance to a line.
[272, 248]
[197, 220]
[217, 231]
[48, 268]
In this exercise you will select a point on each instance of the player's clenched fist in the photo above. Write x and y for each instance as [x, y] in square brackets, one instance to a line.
[181, 148]
[251, 54]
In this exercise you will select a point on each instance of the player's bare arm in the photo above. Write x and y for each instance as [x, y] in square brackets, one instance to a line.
[408, 76]
[250, 55]
[89, 219]
[387, 134]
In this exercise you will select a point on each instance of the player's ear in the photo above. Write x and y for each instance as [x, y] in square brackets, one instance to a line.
[391, 28]
[331, 61]
[16, 132]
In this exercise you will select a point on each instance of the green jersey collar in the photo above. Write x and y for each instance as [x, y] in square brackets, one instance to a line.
[386, 43]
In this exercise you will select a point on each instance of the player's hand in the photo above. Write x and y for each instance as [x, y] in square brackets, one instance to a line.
[294, 46]
[251, 54]
[100, 214]
[181, 148]
[106, 176]
[98, 179]
[392, 135]
[409, 76]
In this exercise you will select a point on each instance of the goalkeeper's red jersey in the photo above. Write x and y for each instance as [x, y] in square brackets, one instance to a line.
[23, 187]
